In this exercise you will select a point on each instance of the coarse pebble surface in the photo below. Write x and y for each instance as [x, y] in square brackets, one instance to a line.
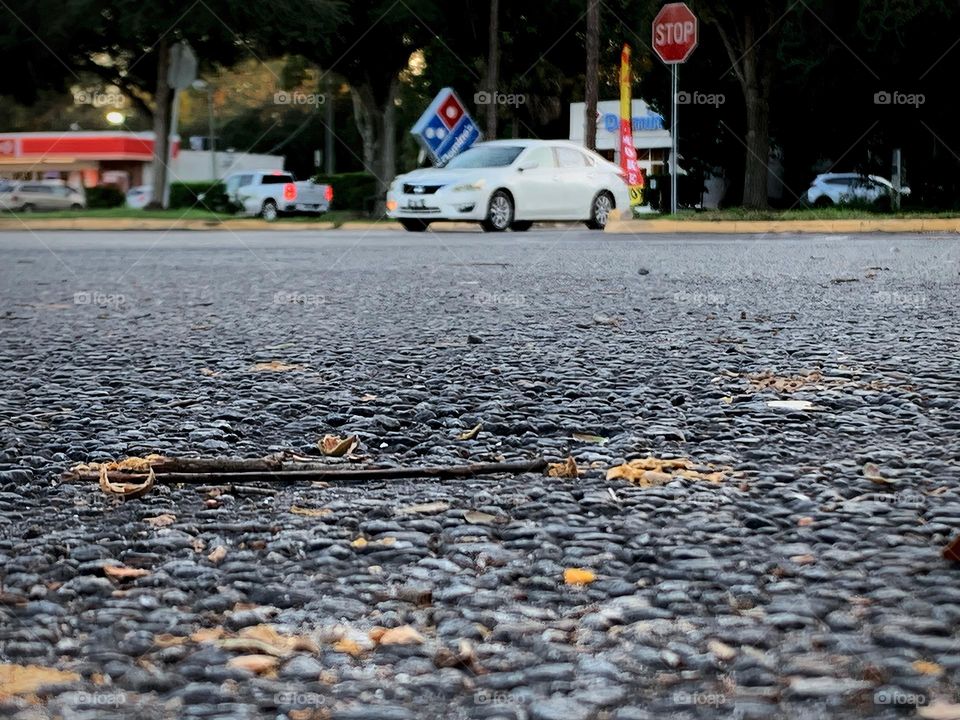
[796, 588]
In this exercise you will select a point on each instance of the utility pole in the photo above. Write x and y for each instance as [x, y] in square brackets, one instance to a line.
[493, 69]
[593, 70]
[328, 159]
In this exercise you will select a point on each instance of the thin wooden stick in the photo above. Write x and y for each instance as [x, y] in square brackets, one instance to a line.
[330, 474]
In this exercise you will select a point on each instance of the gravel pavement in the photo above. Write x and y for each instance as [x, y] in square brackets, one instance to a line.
[803, 586]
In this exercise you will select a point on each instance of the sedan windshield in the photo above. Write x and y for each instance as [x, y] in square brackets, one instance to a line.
[485, 157]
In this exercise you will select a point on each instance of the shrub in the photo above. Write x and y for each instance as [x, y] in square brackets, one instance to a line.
[355, 191]
[105, 196]
[187, 195]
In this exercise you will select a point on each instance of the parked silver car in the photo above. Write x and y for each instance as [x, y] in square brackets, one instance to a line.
[38, 196]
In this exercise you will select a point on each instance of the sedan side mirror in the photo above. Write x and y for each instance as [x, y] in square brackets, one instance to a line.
[529, 165]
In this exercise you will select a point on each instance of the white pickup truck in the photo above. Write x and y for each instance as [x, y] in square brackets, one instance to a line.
[271, 193]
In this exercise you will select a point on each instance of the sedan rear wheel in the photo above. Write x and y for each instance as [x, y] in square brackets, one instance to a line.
[499, 213]
[600, 211]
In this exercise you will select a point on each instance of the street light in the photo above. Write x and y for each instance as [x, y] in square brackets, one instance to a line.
[204, 85]
[115, 118]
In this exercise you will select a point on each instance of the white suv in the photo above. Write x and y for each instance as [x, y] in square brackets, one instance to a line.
[841, 188]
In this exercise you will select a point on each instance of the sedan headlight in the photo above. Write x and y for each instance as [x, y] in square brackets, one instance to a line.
[466, 187]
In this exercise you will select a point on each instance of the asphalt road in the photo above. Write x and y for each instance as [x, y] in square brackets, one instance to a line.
[808, 584]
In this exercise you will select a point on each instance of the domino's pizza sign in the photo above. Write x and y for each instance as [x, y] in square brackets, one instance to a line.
[445, 129]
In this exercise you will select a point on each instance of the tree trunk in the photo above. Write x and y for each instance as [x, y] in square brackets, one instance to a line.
[493, 69]
[758, 151]
[377, 125]
[161, 124]
[593, 70]
[362, 102]
[753, 63]
[388, 143]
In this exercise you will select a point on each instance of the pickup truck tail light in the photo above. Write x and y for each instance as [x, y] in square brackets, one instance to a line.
[289, 191]
[329, 193]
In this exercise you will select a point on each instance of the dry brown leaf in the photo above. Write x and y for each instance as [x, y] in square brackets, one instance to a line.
[470, 434]
[335, 446]
[952, 551]
[217, 555]
[721, 651]
[275, 366]
[805, 522]
[359, 543]
[925, 667]
[121, 572]
[368, 398]
[125, 489]
[578, 576]
[475, 517]
[566, 469]
[939, 710]
[165, 640]
[263, 639]
[438, 506]
[207, 634]
[403, 635]
[209, 373]
[310, 512]
[161, 520]
[872, 473]
[257, 664]
[803, 559]
[129, 464]
[348, 646]
[26, 680]
[652, 472]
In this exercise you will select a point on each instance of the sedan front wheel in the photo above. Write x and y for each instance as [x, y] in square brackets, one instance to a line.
[600, 211]
[499, 213]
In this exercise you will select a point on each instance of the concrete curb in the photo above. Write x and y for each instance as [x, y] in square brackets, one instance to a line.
[735, 227]
[124, 224]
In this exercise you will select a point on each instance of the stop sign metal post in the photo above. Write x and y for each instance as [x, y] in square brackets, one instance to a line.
[675, 36]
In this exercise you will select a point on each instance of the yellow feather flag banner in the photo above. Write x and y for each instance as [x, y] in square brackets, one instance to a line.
[628, 153]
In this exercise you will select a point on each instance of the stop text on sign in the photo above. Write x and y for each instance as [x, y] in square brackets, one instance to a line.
[676, 33]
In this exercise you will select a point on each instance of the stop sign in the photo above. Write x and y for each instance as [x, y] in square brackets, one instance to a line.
[674, 33]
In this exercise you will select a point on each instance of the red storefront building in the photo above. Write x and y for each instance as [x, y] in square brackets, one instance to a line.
[116, 158]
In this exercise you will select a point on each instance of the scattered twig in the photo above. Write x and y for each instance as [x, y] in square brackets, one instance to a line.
[233, 471]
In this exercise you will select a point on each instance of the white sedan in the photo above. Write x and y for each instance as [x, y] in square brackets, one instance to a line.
[510, 184]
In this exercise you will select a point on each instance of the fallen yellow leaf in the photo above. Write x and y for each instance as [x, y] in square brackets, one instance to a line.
[939, 710]
[207, 634]
[275, 366]
[578, 576]
[25, 680]
[470, 434]
[122, 572]
[161, 520]
[653, 472]
[217, 555]
[359, 543]
[348, 646]
[925, 667]
[403, 635]
[310, 512]
[257, 664]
